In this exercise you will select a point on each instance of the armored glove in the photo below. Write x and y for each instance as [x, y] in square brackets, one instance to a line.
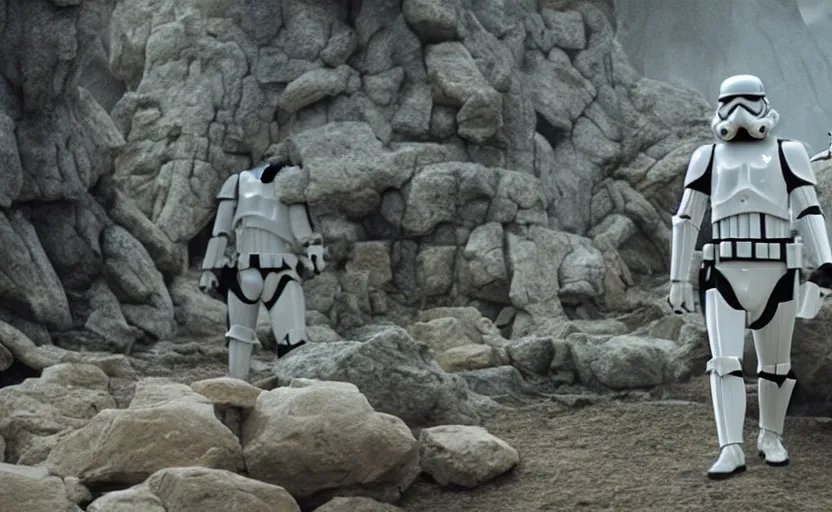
[314, 258]
[208, 281]
[315, 254]
[680, 297]
[822, 276]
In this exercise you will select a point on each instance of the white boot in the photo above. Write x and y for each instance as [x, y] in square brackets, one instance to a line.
[774, 401]
[771, 449]
[730, 462]
[728, 395]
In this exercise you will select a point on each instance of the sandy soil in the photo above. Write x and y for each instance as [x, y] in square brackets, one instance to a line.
[640, 456]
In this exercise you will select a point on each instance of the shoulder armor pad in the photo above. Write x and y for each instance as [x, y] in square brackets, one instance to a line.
[698, 176]
[229, 188]
[794, 160]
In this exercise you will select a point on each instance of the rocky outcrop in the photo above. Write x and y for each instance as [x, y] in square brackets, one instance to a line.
[507, 159]
[310, 443]
[69, 264]
[453, 149]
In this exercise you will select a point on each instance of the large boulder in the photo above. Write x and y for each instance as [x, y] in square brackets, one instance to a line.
[397, 375]
[621, 362]
[184, 490]
[30, 488]
[39, 412]
[324, 438]
[464, 455]
[166, 425]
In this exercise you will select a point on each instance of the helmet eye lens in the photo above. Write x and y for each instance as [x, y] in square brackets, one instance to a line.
[754, 105]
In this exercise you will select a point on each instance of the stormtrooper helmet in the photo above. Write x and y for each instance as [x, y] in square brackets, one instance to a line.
[743, 111]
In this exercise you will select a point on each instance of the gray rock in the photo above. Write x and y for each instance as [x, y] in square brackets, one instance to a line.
[70, 234]
[582, 273]
[563, 369]
[435, 269]
[431, 199]
[622, 362]
[565, 136]
[305, 35]
[456, 80]
[566, 28]
[494, 60]
[383, 87]
[480, 117]
[397, 375]
[442, 121]
[535, 265]
[107, 320]
[26, 486]
[131, 274]
[464, 455]
[414, 114]
[13, 183]
[313, 86]
[167, 256]
[29, 283]
[485, 257]
[6, 360]
[693, 353]
[196, 313]
[341, 45]
[560, 93]
[496, 382]
[532, 354]
[274, 66]
[432, 20]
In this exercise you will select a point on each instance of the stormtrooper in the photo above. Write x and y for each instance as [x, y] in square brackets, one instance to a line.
[258, 250]
[759, 188]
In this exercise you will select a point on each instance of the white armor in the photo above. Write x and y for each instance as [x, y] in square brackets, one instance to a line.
[758, 188]
[263, 266]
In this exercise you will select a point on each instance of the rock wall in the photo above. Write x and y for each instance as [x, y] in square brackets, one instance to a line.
[468, 152]
[68, 263]
[451, 152]
[702, 42]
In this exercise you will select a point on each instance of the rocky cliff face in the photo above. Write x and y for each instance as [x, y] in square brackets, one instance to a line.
[68, 264]
[701, 43]
[465, 152]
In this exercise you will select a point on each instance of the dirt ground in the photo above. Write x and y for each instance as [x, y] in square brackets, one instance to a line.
[621, 456]
[640, 456]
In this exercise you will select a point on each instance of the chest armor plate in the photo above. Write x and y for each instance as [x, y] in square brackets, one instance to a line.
[747, 178]
[258, 206]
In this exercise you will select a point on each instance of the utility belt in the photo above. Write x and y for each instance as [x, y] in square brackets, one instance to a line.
[266, 260]
[787, 250]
